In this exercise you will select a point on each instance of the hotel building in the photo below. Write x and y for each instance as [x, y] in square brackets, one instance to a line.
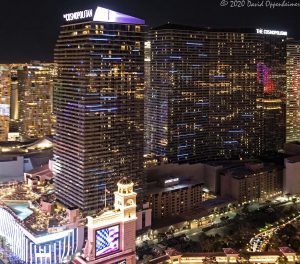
[5, 91]
[293, 92]
[35, 89]
[37, 228]
[14, 126]
[291, 178]
[173, 197]
[213, 94]
[252, 182]
[99, 104]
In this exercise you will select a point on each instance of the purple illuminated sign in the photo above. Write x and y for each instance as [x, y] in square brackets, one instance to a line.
[106, 15]
[103, 15]
[264, 77]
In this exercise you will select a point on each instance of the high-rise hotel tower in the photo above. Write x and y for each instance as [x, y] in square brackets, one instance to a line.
[35, 90]
[5, 94]
[293, 92]
[99, 104]
[214, 94]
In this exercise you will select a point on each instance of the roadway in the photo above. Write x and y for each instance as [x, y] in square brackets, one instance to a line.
[260, 241]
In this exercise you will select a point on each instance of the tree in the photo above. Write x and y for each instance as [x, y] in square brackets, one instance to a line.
[245, 209]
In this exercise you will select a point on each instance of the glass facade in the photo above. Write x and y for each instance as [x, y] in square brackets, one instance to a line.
[35, 89]
[5, 92]
[293, 92]
[204, 99]
[99, 104]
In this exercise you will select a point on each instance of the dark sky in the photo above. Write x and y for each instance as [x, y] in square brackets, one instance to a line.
[29, 28]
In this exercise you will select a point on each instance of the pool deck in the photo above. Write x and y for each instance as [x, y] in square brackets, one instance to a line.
[21, 208]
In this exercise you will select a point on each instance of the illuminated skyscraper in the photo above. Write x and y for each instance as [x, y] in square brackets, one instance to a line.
[293, 92]
[14, 101]
[99, 104]
[210, 93]
[5, 91]
[35, 88]
[272, 79]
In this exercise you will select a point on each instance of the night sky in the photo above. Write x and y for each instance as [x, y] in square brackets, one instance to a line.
[29, 28]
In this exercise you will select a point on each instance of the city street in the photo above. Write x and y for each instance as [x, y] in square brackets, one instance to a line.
[260, 241]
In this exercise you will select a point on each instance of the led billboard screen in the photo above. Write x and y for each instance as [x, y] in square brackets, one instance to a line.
[107, 241]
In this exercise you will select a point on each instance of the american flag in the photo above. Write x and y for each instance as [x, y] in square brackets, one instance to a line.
[107, 240]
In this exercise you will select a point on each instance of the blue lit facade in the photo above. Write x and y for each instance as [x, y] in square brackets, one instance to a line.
[177, 101]
[99, 104]
[203, 97]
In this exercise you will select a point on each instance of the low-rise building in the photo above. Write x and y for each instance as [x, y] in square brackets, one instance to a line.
[173, 197]
[144, 217]
[11, 168]
[228, 255]
[292, 175]
[252, 182]
[41, 174]
[17, 158]
[292, 148]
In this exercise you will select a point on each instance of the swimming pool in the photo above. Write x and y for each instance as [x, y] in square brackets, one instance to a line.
[21, 209]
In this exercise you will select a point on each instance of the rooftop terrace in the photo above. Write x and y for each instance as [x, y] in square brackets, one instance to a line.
[37, 211]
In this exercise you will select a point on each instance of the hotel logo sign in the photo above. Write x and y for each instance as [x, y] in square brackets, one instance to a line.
[271, 32]
[79, 15]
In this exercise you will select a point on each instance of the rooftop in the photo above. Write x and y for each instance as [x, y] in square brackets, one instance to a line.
[153, 189]
[36, 211]
[294, 159]
[26, 147]
[242, 172]
[286, 250]
[227, 252]
[171, 26]
[100, 14]
[41, 171]
[204, 254]
[216, 202]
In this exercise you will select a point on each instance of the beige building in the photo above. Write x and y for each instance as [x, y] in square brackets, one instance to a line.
[111, 235]
[173, 200]
[252, 182]
[292, 175]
